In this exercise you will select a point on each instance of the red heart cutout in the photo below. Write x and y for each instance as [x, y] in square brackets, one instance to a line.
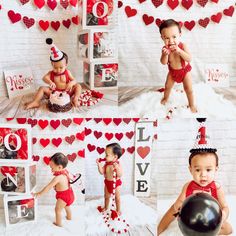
[55, 123]
[56, 142]
[97, 134]
[157, 3]
[130, 12]
[187, 3]
[97, 120]
[70, 139]
[130, 134]
[120, 4]
[80, 136]
[44, 25]
[131, 149]
[100, 150]
[148, 19]
[202, 2]
[39, 3]
[91, 148]
[107, 121]
[215, 1]
[119, 136]
[66, 122]
[81, 153]
[204, 22]
[127, 120]
[44, 142]
[217, 17]
[78, 121]
[14, 17]
[32, 122]
[24, 1]
[73, 3]
[87, 131]
[9, 119]
[34, 140]
[155, 123]
[46, 160]
[64, 3]
[71, 157]
[117, 121]
[35, 158]
[141, 1]
[8, 170]
[173, 3]
[158, 22]
[66, 23]
[88, 119]
[75, 20]
[189, 24]
[143, 151]
[52, 4]
[136, 119]
[229, 11]
[21, 120]
[43, 123]
[123, 151]
[55, 25]
[109, 136]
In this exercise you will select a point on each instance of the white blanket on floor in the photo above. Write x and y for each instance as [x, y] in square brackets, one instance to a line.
[208, 103]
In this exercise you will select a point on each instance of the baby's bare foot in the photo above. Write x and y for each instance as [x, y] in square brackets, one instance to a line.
[59, 225]
[31, 105]
[193, 109]
[68, 217]
[163, 101]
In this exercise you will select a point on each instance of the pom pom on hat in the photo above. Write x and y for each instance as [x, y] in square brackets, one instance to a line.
[202, 143]
[55, 53]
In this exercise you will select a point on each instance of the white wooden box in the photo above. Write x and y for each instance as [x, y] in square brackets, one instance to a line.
[17, 179]
[20, 209]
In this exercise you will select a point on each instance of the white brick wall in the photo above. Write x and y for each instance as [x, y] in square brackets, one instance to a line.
[140, 45]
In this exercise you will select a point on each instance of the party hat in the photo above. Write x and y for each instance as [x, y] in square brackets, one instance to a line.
[55, 53]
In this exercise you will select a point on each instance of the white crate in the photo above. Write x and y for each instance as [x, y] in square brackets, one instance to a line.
[15, 143]
[17, 179]
[100, 75]
[20, 209]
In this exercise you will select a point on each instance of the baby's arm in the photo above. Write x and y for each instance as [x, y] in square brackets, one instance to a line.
[184, 53]
[164, 56]
[169, 216]
[100, 167]
[72, 81]
[47, 80]
[223, 204]
[119, 170]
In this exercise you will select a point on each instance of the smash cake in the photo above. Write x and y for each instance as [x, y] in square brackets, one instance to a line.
[59, 102]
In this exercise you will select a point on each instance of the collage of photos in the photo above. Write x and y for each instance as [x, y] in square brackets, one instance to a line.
[117, 118]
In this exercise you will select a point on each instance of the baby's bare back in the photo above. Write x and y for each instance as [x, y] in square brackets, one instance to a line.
[62, 185]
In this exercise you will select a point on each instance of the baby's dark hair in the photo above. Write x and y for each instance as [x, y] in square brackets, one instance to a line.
[116, 149]
[168, 23]
[59, 159]
[193, 154]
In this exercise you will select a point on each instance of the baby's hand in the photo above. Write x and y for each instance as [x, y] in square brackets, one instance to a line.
[36, 195]
[98, 161]
[174, 48]
[69, 87]
[165, 50]
[52, 85]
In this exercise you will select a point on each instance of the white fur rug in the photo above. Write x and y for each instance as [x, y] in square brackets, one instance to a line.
[133, 211]
[44, 226]
[208, 103]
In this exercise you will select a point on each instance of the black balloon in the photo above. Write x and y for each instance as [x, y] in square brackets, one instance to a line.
[7, 185]
[200, 215]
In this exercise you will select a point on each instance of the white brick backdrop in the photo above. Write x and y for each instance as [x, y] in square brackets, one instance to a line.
[20, 46]
[171, 152]
[140, 45]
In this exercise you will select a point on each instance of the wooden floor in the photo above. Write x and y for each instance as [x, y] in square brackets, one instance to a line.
[10, 108]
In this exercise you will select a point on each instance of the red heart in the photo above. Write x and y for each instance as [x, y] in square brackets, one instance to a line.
[148, 19]
[100, 150]
[97, 134]
[229, 11]
[52, 4]
[34, 140]
[143, 151]
[109, 136]
[107, 121]
[80, 136]
[204, 22]
[35, 158]
[56, 141]
[136, 119]
[66, 23]
[155, 136]
[73, 3]
[44, 142]
[39, 3]
[119, 136]
[157, 3]
[129, 134]
[187, 3]
[8, 170]
[173, 3]
[71, 157]
[141, 1]
[9, 119]
[202, 2]
[130, 12]
[14, 17]
[123, 151]
[155, 123]
[44, 25]
[215, 1]
[217, 17]
[88, 119]
[32, 122]
[24, 1]
[75, 20]
[70, 139]
[97, 120]
[189, 24]
[66, 122]
[55, 123]
[117, 121]
[64, 3]
[87, 131]
[46, 160]
[120, 4]
[81, 153]
[91, 147]
[127, 120]
[21, 120]
[43, 123]
[55, 25]
[158, 22]
[131, 149]
[78, 121]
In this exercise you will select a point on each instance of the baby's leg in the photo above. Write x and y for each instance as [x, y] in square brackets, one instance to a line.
[106, 199]
[68, 213]
[117, 198]
[39, 95]
[76, 91]
[187, 82]
[58, 209]
[168, 86]
[226, 229]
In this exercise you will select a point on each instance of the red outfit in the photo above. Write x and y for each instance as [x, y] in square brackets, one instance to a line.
[178, 75]
[210, 188]
[67, 195]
